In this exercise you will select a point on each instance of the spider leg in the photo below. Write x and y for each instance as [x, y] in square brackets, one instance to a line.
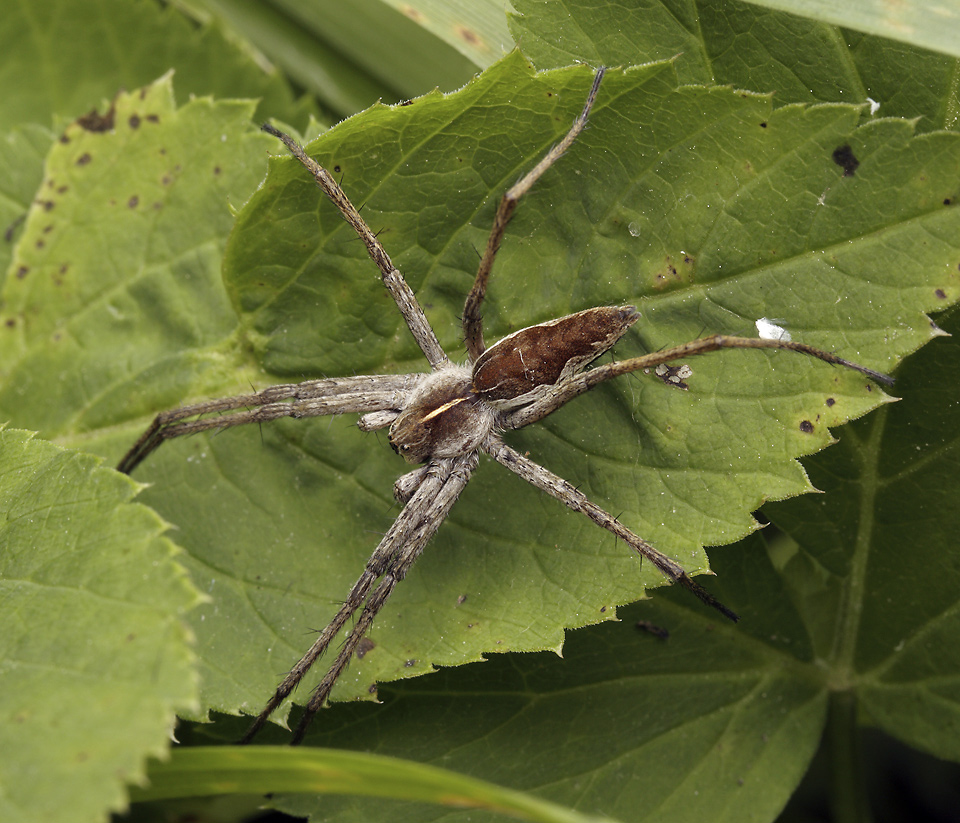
[312, 398]
[409, 533]
[576, 385]
[573, 498]
[453, 474]
[401, 293]
[472, 321]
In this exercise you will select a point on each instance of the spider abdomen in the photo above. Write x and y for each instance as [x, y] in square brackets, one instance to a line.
[522, 366]
[443, 418]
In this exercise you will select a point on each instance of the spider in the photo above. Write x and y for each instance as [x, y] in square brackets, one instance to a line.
[443, 419]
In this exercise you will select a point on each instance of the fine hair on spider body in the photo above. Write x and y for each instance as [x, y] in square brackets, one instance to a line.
[443, 419]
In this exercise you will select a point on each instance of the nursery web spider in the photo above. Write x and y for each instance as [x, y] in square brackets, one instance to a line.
[445, 418]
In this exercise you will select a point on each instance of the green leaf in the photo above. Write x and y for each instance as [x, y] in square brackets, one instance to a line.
[735, 43]
[352, 54]
[95, 657]
[119, 44]
[758, 221]
[278, 527]
[125, 234]
[932, 25]
[259, 770]
[720, 722]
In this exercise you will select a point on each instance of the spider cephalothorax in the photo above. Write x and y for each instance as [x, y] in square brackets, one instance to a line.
[446, 417]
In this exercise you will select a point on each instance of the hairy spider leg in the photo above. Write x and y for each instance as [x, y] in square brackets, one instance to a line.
[472, 320]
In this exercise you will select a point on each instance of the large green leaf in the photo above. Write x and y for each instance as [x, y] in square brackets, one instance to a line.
[731, 42]
[646, 195]
[758, 221]
[95, 658]
[720, 722]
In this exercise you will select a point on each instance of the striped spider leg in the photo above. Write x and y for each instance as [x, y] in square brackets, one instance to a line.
[444, 418]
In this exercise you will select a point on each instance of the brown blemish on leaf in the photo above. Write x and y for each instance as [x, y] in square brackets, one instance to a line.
[763, 124]
[831, 401]
[153, 118]
[133, 202]
[414, 14]
[941, 294]
[806, 427]
[372, 689]
[409, 664]
[166, 180]
[64, 139]
[134, 121]
[11, 323]
[40, 243]
[8, 234]
[947, 201]
[468, 36]
[216, 171]
[84, 159]
[669, 274]
[22, 271]
[48, 229]
[63, 189]
[844, 157]
[96, 122]
[363, 647]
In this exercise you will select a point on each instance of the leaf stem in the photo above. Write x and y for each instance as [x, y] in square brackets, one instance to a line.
[848, 797]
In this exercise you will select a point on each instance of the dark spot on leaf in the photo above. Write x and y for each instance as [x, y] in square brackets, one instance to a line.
[11, 323]
[409, 664]
[133, 202]
[143, 93]
[131, 637]
[216, 171]
[337, 169]
[64, 139]
[153, 118]
[405, 103]
[63, 189]
[461, 599]
[869, 387]
[163, 151]
[47, 229]
[134, 121]
[40, 243]
[806, 426]
[96, 122]
[48, 205]
[166, 180]
[831, 401]
[363, 647]
[844, 157]
[372, 689]
[8, 234]
[653, 628]
[83, 159]
[941, 294]
[157, 205]
[22, 272]
[947, 201]
[603, 609]
[412, 13]
[763, 124]
[64, 267]
[468, 35]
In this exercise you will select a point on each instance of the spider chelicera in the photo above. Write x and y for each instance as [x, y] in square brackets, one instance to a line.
[444, 418]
